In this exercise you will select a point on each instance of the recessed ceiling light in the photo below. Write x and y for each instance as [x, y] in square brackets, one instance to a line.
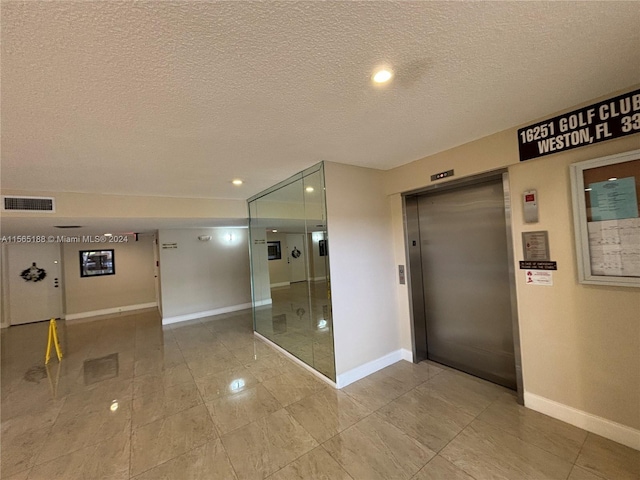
[382, 76]
[274, 231]
[237, 181]
[613, 178]
[309, 189]
[108, 234]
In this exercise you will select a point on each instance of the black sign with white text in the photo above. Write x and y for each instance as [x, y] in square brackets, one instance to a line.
[537, 265]
[613, 118]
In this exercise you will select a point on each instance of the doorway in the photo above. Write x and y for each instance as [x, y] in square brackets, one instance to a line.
[296, 257]
[461, 274]
[35, 282]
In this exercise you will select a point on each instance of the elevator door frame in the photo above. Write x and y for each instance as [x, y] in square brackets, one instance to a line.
[414, 266]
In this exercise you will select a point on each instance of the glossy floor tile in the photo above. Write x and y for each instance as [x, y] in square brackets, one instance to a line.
[440, 469]
[608, 459]
[316, 464]
[209, 461]
[482, 449]
[168, 437]
[207, 400]
[327, 413]
[375, 449]
[267, 445]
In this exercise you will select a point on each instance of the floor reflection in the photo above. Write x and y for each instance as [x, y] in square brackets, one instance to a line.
[299, 320]
[98, 369]
[206, 399]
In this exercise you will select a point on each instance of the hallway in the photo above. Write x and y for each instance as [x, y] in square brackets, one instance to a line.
[206, 400]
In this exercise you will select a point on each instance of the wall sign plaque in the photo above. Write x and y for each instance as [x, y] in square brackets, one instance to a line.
[613, 118]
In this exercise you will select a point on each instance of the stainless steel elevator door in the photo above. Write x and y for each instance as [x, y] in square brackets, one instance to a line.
[466, 281]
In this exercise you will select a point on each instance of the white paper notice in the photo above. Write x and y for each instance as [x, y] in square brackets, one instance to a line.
[615, 247]
[539, 277]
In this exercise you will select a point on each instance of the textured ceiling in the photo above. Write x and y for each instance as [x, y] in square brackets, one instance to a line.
[178, 98]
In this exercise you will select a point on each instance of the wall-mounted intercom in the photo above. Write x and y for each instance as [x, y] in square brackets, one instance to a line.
[530, 198]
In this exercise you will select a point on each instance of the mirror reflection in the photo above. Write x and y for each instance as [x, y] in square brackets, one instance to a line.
[290, 269]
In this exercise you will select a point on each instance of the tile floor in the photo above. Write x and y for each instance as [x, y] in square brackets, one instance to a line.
[206, 400]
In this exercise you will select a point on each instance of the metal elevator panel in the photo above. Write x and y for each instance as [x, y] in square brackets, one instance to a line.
[465, 280]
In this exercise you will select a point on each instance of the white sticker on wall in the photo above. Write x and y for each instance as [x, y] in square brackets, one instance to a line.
[539, 277]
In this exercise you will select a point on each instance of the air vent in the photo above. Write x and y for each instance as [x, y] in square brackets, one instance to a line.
[28, 204]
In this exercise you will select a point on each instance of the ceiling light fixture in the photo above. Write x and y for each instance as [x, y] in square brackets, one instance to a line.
[108, 234]
[309, 189]
[382, 75]
[274, 231]
[612, 179]
[237, 181]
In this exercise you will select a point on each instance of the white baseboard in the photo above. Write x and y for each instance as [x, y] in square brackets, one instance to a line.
[407, 355]
[294, 358]
[281, 284]
[109, 311]
[592, 423]
[206, 313]
[368, 368]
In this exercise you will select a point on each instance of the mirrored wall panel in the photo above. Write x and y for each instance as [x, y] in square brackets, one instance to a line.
[290, 269]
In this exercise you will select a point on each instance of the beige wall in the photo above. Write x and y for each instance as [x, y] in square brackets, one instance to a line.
[361, 261]
[132, 284]
[204, 276]
[580, 343]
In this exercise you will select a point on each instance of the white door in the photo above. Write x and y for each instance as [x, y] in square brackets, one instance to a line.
[35, 282]
[296, 258]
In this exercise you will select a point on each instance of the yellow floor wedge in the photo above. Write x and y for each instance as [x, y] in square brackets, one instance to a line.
[53, 338]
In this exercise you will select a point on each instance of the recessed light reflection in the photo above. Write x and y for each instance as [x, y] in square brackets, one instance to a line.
[309, 189]
[236, 385]
[587, 189]
[322, 324]
[114, 405]
[612, 179]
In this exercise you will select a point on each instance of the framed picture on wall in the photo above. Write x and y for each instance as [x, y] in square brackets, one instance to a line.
[606, 202]
[95, 263]
[322, 245]
[273, 250]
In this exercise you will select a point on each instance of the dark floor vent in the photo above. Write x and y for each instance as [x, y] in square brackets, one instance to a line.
[28, 204]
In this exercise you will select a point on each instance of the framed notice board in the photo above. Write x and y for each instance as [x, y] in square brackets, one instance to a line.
[606, 202]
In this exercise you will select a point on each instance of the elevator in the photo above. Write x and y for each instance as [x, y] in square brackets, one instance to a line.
[461, 278]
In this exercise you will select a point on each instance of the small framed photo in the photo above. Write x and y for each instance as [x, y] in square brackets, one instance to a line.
[95, 263]
[322, 245]
[273, 250]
